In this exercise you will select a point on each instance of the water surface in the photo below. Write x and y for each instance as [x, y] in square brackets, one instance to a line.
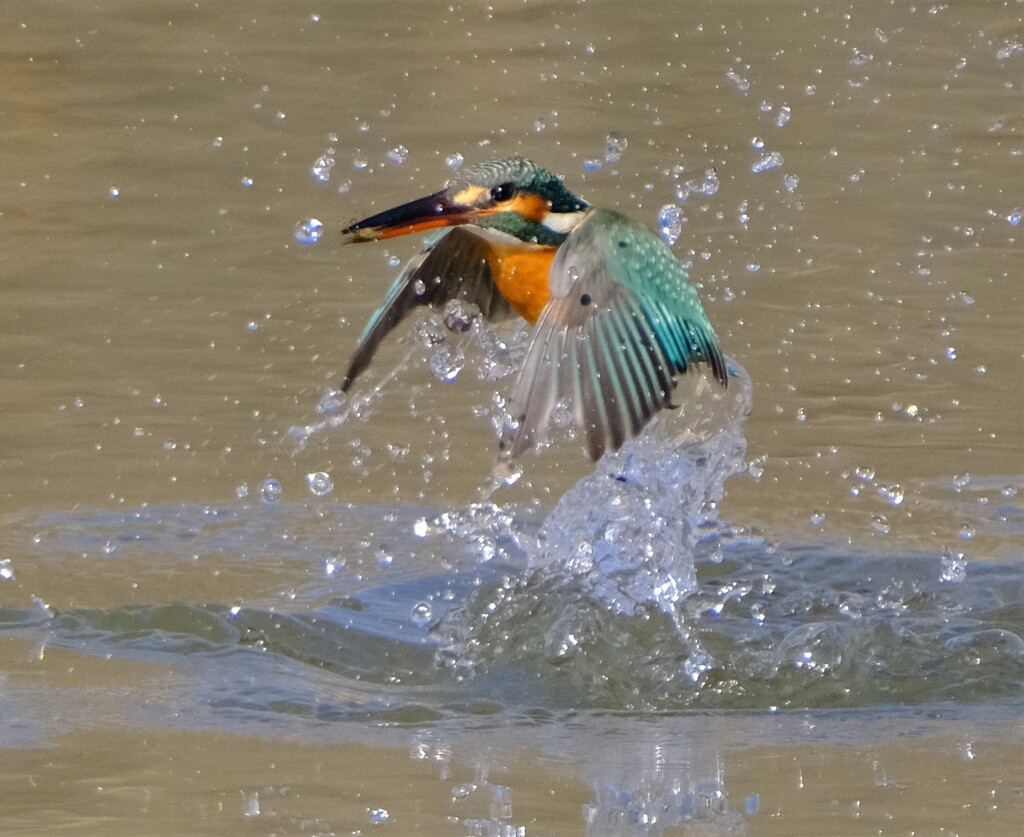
[802, 620]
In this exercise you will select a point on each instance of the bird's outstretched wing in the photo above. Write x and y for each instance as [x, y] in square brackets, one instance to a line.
[622, 321]
[453, 265]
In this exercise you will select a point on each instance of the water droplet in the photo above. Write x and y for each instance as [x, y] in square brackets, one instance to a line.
[218, 142]
[614, 146]
[960, 481]
[592, 164]
[309, 231]
[1009, 491]
[419, 287]
[954, 566]
[707, 187]
[463, 791]
[791, 181]
[484, 547]
[421, 528]
[430, 331]
[114, 192]
[247, 182]
[6, 572]
[539, 125]
[783, 116]
[459, 316]
[1009, 49]
[330, 402]
[344, 187]
[892, 493]
[454, 161]
[753, 267]
[864, 472]
[360, 161]
[447, 363]
[242, 490]
[384, 556]
[270, 491]
[321, 169]
[670, 222]
[398, 155]
[378, 816]
[950, 353]
[859, 59]
[741, 83]
[967, 531]
[421, 613]
[320, 483]
[817, 518]
[880, 523]
[1015, 217]
[767, 162]
[561, 415]
[252, 804]
[757, 143]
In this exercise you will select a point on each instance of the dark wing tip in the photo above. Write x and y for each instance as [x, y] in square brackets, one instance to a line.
[718, 367]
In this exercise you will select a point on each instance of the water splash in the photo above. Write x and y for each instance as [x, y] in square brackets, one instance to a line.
[612, 565]
[339, 407]
[496, 355]
[631, 527]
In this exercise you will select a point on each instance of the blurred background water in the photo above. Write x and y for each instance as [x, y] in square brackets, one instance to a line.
[794, 609]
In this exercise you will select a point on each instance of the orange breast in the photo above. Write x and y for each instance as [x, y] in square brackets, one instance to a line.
[521, 274]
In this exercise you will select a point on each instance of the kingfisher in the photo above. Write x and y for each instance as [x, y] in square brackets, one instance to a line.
[615, 318]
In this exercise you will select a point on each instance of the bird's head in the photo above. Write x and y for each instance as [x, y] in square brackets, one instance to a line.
[515, 196]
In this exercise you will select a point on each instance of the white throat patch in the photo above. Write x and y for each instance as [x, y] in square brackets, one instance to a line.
[563, 222]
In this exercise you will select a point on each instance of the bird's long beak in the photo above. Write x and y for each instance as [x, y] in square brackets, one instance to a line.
[437, 210]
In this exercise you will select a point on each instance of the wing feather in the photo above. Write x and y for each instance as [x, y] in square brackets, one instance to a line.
[627, 378]
[453, 265]
[622, 322]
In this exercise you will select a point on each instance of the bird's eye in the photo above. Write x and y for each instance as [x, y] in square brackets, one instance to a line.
[504, 192]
